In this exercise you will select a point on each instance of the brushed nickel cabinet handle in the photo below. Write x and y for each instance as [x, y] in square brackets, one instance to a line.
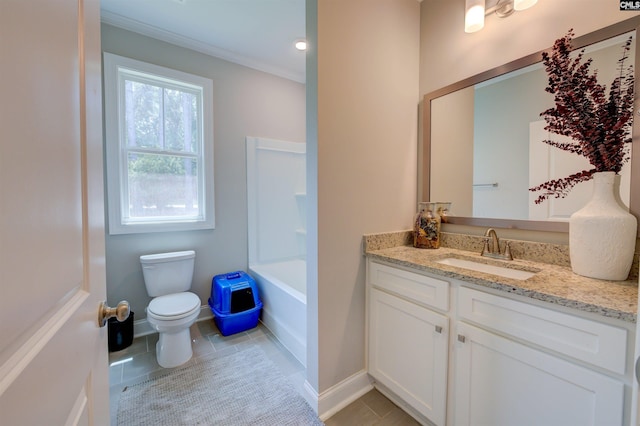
[438, 329]
[461, 338]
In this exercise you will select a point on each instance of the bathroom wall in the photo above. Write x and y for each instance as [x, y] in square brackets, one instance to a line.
[454, 173]
[246, 103]
[448, 54]
[361, 152]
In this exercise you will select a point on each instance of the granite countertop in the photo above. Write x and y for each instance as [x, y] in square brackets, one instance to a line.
[552, 283]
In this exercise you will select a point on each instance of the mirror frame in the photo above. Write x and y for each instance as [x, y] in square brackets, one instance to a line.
[578, 43]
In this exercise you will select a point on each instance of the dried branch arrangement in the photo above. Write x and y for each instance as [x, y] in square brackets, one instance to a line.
[599, 125]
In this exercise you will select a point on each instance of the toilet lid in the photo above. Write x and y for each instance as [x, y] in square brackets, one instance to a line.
[171, 305]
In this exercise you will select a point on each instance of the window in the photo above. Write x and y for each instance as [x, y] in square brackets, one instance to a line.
[159, 148]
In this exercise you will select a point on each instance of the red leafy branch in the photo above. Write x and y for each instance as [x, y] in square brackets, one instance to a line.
[598, 124]
[559, 188]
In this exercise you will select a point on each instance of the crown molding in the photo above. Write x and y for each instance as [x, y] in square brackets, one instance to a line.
[138, 27]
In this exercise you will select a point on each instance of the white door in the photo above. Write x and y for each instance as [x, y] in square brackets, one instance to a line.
[53, 355]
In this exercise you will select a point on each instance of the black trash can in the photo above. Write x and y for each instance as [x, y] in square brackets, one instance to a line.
[120, 333]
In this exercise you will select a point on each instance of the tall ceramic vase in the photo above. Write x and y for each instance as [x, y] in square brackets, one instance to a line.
[602, 235]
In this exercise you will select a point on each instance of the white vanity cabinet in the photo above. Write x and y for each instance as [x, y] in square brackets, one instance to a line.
[510, 362]
[500, 382]
[408, 341]
[518, 363]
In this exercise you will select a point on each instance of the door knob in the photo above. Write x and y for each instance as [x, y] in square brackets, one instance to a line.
[120, 312]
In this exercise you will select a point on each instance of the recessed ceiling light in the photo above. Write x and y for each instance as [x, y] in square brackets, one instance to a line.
[301, 44]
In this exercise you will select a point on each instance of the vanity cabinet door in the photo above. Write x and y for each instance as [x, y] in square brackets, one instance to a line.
[501, 382]
[408, 352]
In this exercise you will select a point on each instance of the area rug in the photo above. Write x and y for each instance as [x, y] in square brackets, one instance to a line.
[242, 388]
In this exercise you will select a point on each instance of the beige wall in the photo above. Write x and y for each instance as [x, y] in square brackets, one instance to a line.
[367, 98]
[246, 103]
[454, 168]
[448, 54]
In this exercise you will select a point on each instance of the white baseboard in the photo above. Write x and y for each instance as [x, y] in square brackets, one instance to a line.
[142, 327]
[342, 394]
[310, 395]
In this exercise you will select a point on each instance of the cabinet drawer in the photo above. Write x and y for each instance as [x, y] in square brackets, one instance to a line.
[600, 344]
[421, 289]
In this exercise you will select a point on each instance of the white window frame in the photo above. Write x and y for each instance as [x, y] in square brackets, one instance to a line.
[116, 155]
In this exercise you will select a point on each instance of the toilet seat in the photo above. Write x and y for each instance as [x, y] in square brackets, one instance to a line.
[173, 306]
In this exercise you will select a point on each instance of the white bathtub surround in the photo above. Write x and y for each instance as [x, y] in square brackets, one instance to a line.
[282, 287]
[276, 184]
[602, 235]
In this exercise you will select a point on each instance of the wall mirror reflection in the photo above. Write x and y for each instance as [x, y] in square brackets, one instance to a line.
[483, 146]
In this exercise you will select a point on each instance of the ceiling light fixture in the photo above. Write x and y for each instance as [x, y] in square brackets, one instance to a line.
[473, 16]
[523, 4]
[301, 44]
[475, 11]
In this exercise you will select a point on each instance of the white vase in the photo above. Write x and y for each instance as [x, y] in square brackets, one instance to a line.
[602, 235]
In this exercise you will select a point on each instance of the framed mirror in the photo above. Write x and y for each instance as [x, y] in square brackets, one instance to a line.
[482, 141]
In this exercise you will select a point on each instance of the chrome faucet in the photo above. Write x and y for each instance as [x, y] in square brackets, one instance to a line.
[494, 251]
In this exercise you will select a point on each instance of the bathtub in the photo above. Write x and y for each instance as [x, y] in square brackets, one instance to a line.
[282, 289]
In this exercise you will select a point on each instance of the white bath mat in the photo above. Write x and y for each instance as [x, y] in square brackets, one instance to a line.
[242, 388]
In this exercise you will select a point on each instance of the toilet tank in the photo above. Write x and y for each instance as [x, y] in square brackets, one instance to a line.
[166, 273]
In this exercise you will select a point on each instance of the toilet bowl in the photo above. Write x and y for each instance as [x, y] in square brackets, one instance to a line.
[173, 309]
[171, 316]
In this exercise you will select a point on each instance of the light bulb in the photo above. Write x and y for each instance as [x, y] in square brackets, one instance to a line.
[523, 4]
[474, 16]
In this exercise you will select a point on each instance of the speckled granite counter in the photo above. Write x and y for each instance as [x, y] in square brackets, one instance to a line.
[553, 283]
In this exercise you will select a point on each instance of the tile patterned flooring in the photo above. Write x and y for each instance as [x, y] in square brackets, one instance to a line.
[138, 363]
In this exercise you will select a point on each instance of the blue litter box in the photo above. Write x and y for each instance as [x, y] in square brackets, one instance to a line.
[234, 302]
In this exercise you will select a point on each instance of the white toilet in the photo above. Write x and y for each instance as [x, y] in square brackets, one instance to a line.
[167, 277]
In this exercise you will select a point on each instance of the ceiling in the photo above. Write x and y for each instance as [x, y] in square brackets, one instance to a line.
[256, 33]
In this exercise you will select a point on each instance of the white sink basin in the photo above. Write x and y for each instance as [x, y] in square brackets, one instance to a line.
[515, 274]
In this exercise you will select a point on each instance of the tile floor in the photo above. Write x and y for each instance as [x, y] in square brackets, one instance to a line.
[138, 363]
